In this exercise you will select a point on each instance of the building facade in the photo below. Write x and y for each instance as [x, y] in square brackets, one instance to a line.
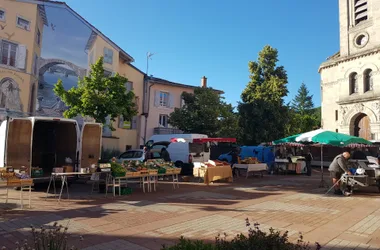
[162, 97]
[350, 79]
[44, 41]
[21, 28]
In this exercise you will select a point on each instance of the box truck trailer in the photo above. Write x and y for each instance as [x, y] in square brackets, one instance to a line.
[47, 143]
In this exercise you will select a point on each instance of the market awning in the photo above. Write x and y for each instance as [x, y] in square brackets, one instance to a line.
[204, 140]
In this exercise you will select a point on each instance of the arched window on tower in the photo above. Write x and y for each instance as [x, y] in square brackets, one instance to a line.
[368, 80]
[354, 88]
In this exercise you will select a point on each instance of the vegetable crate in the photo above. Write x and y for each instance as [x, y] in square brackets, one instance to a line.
[37, 173]
[118, 174]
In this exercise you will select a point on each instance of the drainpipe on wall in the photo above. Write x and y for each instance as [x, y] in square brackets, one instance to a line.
[147, 108]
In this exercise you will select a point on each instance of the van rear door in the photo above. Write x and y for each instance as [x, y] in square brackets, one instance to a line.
[90, 144]
[17, 143]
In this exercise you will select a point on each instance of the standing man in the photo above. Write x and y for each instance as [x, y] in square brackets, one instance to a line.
[308, 158]
[234, 160]
[338, 167]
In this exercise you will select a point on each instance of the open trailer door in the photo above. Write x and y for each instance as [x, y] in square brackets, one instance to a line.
[90, 144]
[16, 143]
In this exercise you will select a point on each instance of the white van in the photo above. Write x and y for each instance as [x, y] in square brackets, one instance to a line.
[181, 153]
[46, 142]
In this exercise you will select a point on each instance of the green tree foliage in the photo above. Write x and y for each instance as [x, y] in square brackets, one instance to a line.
[98, 96]
[303, 101]
[303, 117]
[205, 112]
[262, 112]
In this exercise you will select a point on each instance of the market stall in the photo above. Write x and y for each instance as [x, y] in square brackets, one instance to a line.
[17, 179]
[213, 171]
[250, 165]
[322, 138]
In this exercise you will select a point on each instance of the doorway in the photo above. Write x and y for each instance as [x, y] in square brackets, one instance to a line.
[362, 127]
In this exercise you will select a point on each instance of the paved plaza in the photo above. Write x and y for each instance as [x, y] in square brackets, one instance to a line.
[147, 221]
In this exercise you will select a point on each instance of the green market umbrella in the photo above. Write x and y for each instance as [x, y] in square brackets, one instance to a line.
[325, 137]
[322, 137]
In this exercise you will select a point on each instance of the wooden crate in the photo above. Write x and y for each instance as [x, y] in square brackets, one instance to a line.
[170, 171]
[15, 182]
[144, 172]
[177, 171]
[153, 172]
[129, 174]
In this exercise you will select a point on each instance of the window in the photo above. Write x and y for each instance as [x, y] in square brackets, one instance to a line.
[336, 130]
[360, 11]
[163, 121]
[38, 38]
[8, 53]
[23, 23]
[353, 83]
[336, 115]
[182, 102]
[2, 15]
[92, 58]
[35, 65]
[368, 80]
[107, 73]
[164, 99]
[108, 56]
[129, 86]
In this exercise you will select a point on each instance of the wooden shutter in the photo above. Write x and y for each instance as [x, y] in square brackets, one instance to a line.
[171, 101]
[157, 99]
[21, 57]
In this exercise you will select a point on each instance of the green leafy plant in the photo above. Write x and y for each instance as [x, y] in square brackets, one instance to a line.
[98, 96]
[255, 240]
[54, 238]
[117, 169]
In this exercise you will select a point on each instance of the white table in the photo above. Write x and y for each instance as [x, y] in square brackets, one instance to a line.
[63, 177]
[260, 167]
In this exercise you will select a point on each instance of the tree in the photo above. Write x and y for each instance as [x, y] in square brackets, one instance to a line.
[303, 101]
[205, 112]
[98, 96]
[262, 111]
[303, 117]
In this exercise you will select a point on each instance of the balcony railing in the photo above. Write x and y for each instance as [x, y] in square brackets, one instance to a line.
[166, 131]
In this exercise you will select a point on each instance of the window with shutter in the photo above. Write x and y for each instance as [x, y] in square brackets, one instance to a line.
[360, 11]
[8, 53]
[164, 99]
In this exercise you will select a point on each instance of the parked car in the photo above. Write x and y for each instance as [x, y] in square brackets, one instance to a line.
[133, 154]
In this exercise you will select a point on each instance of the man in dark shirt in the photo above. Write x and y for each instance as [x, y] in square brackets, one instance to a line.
[308, 158]
[234, 160]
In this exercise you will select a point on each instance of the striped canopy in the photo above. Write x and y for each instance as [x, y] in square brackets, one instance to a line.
[323, 137]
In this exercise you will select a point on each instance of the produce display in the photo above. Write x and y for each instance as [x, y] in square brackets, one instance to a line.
[250, 160]
[140, 168]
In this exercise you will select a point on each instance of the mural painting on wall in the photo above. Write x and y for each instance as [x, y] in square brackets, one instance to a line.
[64, 55]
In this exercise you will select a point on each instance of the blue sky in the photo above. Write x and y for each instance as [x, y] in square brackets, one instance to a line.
[192, 38]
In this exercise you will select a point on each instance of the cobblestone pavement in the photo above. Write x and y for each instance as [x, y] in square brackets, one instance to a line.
[147, 221]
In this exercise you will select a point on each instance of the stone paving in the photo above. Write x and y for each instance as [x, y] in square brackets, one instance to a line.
[147, 221]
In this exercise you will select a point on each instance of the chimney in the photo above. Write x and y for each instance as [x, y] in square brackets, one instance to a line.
[204, 82]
